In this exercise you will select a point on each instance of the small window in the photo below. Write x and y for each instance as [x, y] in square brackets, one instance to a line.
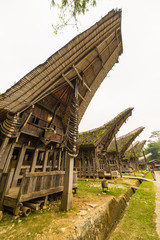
[35, 120]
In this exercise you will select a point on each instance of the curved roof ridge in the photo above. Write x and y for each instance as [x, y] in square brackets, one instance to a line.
[139, 147]
[94, 135]
[125, 141]
[48, 75]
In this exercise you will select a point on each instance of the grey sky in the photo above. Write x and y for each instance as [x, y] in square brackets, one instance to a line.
[27, 39]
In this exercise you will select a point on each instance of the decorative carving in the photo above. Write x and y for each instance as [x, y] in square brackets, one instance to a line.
[11, 125]
[72, 131]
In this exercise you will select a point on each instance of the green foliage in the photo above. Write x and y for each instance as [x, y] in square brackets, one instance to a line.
[154, 145]
[68, 10]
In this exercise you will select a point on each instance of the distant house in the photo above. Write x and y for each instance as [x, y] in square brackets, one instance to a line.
[93, 145]
[127, 156]
[134, 158]
[154, 164]
[143, 161]
[115, 155]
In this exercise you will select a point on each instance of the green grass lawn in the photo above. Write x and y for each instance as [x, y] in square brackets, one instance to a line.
[139, 220]
[50, 220]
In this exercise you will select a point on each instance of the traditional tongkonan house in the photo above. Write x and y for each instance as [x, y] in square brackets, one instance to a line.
[143, 161]
[155, 163]
[39, 116]
[117, 148]
[126, 158]
[93, 145]
[134, 162]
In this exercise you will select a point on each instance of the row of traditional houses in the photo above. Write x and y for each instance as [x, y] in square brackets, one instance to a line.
[40, 114]
[39, 118]
[101, 153]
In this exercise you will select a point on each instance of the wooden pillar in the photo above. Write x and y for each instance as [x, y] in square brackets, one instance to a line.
[118, 156]
[71, 145]
[64, 156]
[67, 196]
[34, 160]
[5, 155]
[45, 160]
[145, 159]
[19, 165]
[93, 163]
[6, 187]
[3, 147]
[8, 157]
[54, 159]
[59, 159]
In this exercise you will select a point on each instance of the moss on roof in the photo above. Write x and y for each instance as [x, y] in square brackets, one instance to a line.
[138, 148]
[124, 141]
[129, 151]
[93, 136]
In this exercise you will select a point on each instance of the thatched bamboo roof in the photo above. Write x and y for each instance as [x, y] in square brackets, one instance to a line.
[105, 132]
[124, 141]
[129, 151]
[142, 159]
[138, 148]
[89, 57]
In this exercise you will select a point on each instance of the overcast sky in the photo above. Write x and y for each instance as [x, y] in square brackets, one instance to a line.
[27, 39]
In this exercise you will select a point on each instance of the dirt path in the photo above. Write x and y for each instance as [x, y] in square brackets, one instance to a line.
[157, 209]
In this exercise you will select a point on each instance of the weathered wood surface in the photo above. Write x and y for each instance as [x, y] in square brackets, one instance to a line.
[35, 185]
[139, 178]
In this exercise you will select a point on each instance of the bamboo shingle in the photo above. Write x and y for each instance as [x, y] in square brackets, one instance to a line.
[80, 52]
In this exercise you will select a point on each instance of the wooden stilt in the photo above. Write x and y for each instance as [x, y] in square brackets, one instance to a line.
[5, 155]
[54, 160]
[118, 157]
[59, 159]
[71, 145]
[34, 160]
[9, 157]
[67, 196]
[3, 147]
[19, 165]
[45, 161]
[6, 187]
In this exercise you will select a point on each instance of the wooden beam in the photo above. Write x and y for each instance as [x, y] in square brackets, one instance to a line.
[34, 159]
[18, 167]
[45, 161]
[118, 156]
[71, 85]
[3, 146]
[79, 76]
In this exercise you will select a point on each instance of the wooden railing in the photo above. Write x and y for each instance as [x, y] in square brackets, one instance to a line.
[39, 184]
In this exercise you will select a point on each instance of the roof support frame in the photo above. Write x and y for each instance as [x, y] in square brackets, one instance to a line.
[71, 85]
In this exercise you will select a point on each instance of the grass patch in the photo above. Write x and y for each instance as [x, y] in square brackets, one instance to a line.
[50, 220]
[139, 219]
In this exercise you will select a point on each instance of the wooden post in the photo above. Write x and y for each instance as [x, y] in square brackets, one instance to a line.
[71, 145]
[3, 147]
[9, 157]
[136, 161]
[145, 159]
[54, 159]
[118, 157]
[6, 187]
[19, 165]
[4, 157]
[67, 196]
[34, 160]
[45, 161]
[59, 159]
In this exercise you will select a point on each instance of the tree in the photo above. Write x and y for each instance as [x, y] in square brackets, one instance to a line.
[68, 11]
[154, 145]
